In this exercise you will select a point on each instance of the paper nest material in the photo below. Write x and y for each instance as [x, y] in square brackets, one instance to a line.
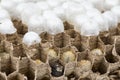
[96, 57]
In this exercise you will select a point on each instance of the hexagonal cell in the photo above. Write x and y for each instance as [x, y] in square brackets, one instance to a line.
[74, 38]
[68, 54]
[61, 40]
[57, 68]
[42, 71]
[2, 37]
[8, 65]
[46, 37]
[2, 49]
[111, 58]
[72, 33]
[45, 53]
[19, 51]
[25, 68]
[107, 40]
[21, 28]
[68, 26]
[117, 45]
[83, 69]
[13, 38]
[101, 67]
[37, 56]
[15, 76]
[89, 42]
[83, 56]
[49, 52]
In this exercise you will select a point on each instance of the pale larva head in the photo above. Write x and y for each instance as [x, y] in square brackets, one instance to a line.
[97, 52]
[31, 38]
[84, 64]
[68, 56]
[51, 54]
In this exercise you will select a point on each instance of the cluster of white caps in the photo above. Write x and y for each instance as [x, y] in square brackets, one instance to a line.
[89, 17]
[6, 25]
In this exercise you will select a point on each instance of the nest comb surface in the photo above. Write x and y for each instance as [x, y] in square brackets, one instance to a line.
[89, 58]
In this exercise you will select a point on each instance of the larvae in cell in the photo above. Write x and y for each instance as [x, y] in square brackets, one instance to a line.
[68, 56]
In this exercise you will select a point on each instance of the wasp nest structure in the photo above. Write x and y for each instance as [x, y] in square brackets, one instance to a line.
[59, 40]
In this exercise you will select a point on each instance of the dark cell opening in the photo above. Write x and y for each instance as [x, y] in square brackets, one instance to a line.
[111, 58]
[100, 67]
[57, 68]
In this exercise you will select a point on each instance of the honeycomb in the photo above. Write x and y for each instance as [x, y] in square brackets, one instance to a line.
[64, 56]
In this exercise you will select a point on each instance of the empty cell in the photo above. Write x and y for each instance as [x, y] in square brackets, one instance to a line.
[19, 51]
[111, 58]
[26, 69]
[21, 28]
[101, 67]
[61, 40]
[68, 26]
[107, 40]
[7, 65]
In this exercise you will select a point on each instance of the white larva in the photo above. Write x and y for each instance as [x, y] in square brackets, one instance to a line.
[31, 38]
[68, 56]
[6, 27]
